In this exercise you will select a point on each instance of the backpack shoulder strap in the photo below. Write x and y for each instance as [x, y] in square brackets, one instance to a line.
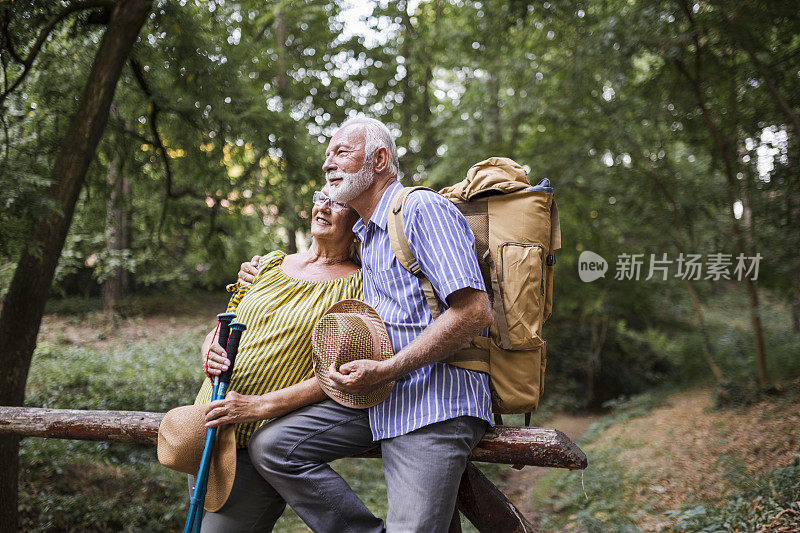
[402, 249]
[468, 358]
[555, 228]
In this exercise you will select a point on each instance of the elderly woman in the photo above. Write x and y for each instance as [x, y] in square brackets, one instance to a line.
[273, 374]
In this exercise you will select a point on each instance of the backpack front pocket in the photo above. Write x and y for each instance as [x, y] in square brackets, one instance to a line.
[520, 279]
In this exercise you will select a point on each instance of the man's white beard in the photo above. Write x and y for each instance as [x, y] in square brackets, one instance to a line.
[352, 184]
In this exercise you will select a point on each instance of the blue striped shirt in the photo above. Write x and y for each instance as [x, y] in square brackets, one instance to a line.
[444, 246]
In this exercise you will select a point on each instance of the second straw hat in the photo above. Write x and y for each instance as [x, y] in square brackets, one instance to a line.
[348, 331]
[181, 439]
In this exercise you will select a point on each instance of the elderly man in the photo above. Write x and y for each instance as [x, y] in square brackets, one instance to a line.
[436, 412]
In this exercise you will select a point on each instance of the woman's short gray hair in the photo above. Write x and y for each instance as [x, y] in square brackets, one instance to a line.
[377, 135]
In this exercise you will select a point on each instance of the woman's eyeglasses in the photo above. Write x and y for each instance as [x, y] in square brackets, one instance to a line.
[320, 199]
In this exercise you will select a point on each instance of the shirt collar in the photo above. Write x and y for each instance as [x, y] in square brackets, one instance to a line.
[381, 214]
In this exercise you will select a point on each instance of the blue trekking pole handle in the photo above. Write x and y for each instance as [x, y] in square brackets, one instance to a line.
[224, 320]
[195, 518]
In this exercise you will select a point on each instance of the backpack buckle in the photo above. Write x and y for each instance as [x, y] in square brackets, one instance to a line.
[416, 270]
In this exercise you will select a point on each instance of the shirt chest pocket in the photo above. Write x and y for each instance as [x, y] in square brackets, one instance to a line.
[392, 281]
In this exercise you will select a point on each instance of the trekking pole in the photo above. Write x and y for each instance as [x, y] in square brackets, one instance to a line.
[224, 320]
[195, 518]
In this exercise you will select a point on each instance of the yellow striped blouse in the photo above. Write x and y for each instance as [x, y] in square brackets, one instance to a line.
[279, 312]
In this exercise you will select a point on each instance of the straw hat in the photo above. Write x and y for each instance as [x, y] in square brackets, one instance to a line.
[348, 331]
[181, 439]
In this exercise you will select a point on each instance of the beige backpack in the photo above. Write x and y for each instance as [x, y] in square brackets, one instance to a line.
[516, 234]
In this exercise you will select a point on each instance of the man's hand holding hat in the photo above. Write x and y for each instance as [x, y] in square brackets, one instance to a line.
[361, 376]
[352, 355]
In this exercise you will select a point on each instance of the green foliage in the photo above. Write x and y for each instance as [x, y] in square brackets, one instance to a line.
[606, 504]
[68, 485]
[770, 500]
[122, 379]
[101, 486]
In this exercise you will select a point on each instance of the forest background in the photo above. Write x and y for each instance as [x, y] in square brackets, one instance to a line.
[148, 148]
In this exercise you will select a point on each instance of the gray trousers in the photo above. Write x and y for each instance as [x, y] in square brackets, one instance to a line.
[253, 505]
[422, 468]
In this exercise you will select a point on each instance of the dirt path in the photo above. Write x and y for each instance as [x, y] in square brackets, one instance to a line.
[99, 331]
[682, 452]
[520, 483]
[688, 451]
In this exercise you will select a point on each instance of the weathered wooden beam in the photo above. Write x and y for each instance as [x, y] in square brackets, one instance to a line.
[478, 499]
[486, 507]
[501, 444]
[529, 446]
[138, 427]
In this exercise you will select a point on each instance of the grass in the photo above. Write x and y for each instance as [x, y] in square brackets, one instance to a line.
[771, 501]
[638, 479]
[599, 498]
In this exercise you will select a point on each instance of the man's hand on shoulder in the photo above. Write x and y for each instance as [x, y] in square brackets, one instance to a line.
[248, 271]
[361, 376]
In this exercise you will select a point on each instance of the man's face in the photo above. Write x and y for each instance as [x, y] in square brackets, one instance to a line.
[348, 169]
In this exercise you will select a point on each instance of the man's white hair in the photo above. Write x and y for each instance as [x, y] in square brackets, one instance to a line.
[377, 135]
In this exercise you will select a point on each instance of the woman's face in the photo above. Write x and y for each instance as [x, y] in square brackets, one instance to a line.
[328, 223]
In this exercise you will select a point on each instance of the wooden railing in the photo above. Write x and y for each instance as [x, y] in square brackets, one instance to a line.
[480, 501]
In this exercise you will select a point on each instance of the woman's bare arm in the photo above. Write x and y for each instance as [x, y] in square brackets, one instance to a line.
[240, 408]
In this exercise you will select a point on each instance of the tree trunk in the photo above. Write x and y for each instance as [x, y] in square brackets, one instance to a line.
[27, 294]
[711, 359]
[280, 38]
[494, 113]
[117, 233]
[726, 151]
[793, 219]
[429, 138]
[681, 243]
[593, 362]
[409, 160]
[287, 140]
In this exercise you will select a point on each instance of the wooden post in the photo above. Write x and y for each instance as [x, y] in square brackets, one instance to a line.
[486, 507]
[138, 427]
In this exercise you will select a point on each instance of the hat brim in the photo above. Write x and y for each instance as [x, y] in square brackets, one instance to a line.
[181, 439]
[322, 359]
